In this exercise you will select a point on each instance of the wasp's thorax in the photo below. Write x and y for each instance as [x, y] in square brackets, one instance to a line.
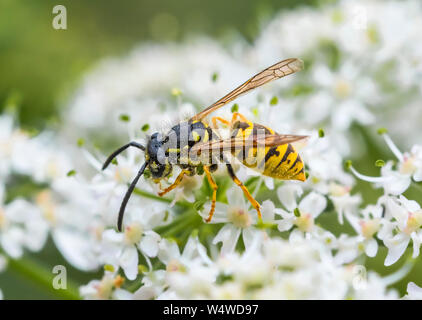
[155, 155]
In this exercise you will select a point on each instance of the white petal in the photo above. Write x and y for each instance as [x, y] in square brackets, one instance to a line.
[149, 243]
[269, 183]
[248, 236]
[76, 248]
[220, 213]
[314, 203]
[410, 205]
[235, 197]
[112, 236]
[417, 176]
[121, 294]
[285, 224]
[288, 194]
[371, 248]
[129, 262]
[414, 291]
[397, 185]
[296, 236]
[416, 239]
[267, 210]
[168, 250]
[396, 247]
[397, 211]
[11, 242]
[228, 235]
[145, 293]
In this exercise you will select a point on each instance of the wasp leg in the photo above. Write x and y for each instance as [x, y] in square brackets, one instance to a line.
[215, 119]
[214, 193]
[175, 183]
[238, 115]
[120, 150]
[254, 203]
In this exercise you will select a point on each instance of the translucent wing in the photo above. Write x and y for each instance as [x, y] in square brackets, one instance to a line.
[252, 141]
[276, 71]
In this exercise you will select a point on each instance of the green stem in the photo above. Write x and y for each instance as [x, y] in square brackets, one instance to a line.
[43, 278]
[149, 195]
[188, 221]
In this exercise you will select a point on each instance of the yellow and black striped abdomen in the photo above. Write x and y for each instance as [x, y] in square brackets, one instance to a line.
[280, 162]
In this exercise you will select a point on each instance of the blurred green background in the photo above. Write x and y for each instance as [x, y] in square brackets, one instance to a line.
[40, 67]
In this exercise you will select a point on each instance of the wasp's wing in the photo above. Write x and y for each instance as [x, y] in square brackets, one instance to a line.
[276, 71]
[253, 141]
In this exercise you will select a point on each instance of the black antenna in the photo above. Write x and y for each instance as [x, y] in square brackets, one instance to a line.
[127, 196]
[120, 150]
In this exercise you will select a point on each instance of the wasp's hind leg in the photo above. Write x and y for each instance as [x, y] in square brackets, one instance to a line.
[251, 199]
[214, 193]
[120, 150]
[175, 183]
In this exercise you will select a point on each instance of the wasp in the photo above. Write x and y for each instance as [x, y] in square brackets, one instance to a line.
[196, 147]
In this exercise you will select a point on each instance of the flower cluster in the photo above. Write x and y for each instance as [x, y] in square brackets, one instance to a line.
[314, 237]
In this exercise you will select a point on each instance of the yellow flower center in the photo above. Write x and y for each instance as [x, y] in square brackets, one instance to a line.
[189, 183]
[407, 166]
[122, 174]
[46, 204]
[2, 219]
[105, 288]
[175, 266]
[337, 190]
[305, 222]
[133, 233]
[370, 227]
[239, 217]
[414, 221]
[342, 88]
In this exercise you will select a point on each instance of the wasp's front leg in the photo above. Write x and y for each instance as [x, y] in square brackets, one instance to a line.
[175, 183]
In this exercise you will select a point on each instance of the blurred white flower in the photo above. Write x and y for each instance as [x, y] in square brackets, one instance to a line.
[21, 227]
[106, 288]
[414, 292]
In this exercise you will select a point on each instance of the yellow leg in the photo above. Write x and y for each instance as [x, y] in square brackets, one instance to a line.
[175, 183]
[214, 193]
[251, 199]
[215, 119]
[238, 115]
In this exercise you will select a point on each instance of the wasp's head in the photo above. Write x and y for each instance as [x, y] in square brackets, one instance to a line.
[155, 155]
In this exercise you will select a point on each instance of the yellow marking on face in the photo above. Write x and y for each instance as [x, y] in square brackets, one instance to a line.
[196, 136]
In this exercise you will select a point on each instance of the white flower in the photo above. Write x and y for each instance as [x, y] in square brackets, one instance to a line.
[106, 288]
[121, 249]
[239, 219]
[414, 292]
[302, 215]
[393, 182]
[410, 163]
[344, 202]
[408, 216]
[21, 226]
[367, 226]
